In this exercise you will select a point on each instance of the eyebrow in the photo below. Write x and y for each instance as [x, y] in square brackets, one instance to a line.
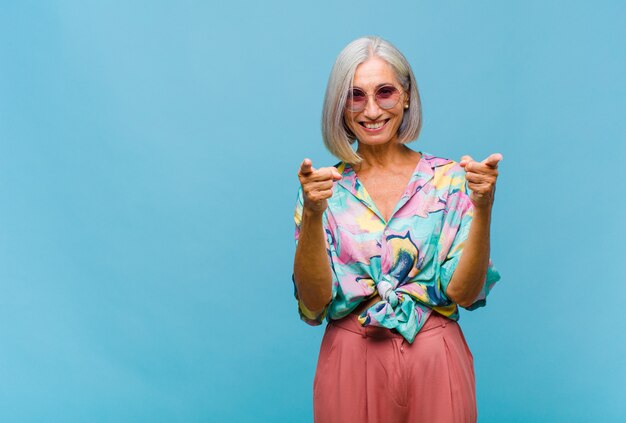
[377, 86]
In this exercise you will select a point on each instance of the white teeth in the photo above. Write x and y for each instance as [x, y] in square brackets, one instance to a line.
[373, 125]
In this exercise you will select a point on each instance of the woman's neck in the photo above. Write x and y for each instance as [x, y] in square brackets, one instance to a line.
[383, 156]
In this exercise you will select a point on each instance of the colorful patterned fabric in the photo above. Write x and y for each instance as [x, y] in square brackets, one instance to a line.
[409, 260]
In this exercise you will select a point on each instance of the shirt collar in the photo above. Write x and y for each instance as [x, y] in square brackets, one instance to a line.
[422, 174]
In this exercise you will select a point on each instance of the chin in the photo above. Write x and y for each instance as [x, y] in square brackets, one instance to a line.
[373, 142]
[374, 139]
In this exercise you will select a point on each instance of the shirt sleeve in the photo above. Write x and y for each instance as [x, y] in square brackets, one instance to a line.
[455, 231]
[305, 314]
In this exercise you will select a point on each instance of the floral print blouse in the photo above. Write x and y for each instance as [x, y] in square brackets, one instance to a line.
[408, 260]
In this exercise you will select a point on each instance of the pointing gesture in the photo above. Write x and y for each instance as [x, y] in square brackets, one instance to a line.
[481, 179]
[317, 185]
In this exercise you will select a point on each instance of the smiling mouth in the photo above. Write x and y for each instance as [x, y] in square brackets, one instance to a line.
[374, 125]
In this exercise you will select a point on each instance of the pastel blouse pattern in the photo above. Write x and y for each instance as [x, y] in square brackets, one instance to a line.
[409, 260]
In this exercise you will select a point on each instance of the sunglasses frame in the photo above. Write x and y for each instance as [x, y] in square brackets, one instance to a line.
[358, 110]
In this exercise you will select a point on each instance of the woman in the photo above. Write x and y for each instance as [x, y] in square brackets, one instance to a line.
[389, 242]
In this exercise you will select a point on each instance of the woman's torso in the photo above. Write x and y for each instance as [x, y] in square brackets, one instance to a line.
[385, 189]
[381, 245]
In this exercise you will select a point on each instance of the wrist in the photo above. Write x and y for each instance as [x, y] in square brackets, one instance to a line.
[312, 214]
[483, 210]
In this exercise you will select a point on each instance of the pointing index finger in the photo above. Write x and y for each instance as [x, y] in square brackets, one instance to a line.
[492, 160]
[306, 167]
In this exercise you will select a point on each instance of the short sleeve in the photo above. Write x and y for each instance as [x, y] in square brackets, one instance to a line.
[305, 314]
[456, 227]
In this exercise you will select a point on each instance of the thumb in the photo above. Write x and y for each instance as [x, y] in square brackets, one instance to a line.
[336, 175]
[465, 160]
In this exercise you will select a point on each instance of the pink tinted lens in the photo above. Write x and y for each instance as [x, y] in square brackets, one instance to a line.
[387, 96]
[356, 99]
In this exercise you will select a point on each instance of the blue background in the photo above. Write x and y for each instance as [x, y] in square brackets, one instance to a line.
[148, 160]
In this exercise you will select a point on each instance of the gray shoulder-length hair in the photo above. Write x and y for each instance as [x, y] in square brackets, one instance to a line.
[338, 138]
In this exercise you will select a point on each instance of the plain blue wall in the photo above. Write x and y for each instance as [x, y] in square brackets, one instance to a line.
[148, 159]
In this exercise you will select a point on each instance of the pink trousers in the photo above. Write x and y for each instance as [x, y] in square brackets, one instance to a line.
[371, 374]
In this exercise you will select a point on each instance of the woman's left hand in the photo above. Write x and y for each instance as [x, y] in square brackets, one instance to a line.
[481, 179]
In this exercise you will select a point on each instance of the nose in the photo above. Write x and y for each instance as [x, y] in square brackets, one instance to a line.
[372, 111]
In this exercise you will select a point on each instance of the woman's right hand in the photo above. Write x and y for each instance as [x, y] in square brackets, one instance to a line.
[317, 185]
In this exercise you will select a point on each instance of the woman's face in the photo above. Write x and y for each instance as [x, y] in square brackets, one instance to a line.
[384, 123]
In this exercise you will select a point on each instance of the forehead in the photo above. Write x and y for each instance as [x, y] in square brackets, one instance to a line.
[374, 72]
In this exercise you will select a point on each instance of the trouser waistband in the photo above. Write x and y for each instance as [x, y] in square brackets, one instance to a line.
[352, 324]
